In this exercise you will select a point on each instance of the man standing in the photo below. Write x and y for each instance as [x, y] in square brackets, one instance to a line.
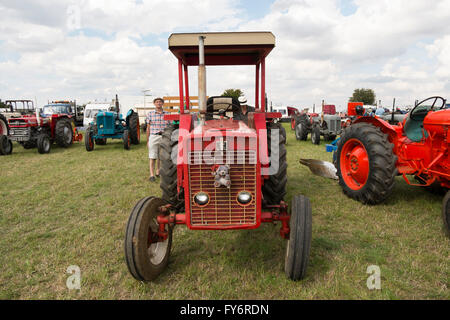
[155, 127]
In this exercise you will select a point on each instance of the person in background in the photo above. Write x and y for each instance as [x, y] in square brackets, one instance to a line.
[155, 127]
[379, 111]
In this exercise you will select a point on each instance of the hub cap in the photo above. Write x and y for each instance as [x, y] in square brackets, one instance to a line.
[354, 163]
[156, 250]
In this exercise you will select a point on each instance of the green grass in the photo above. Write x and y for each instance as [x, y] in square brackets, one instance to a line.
[70, 207]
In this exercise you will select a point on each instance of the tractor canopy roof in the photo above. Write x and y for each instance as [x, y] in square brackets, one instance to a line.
[222, 48]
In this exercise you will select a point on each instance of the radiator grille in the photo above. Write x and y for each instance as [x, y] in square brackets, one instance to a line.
[223, 208]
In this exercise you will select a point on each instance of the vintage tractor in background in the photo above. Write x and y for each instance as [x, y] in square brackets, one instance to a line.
[54, 124]
[372, 152]
[326, 124]
[10, 109]
[219, 173]
[111, 125]
[77, 112]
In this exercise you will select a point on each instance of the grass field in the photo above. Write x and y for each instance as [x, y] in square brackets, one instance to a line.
[70, 207]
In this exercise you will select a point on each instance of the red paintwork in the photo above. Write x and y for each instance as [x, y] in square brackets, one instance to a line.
[429, 158]
[351, 108]
[354, 164]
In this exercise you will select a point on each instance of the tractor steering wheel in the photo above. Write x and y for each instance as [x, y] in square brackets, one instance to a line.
[224, 111]
[422, 108]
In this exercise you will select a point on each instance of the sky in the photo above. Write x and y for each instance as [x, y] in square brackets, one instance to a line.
[92, 49]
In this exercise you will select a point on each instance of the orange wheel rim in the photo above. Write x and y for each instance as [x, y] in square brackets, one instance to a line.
[354, 164]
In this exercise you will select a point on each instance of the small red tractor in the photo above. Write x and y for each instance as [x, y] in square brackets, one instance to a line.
[372, 152]
[220, 171]
[55, 123]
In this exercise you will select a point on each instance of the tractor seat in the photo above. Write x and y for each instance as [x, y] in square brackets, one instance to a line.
[214, 104]
[414, 129]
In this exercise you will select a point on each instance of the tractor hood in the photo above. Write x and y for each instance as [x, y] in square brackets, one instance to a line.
[28, 120]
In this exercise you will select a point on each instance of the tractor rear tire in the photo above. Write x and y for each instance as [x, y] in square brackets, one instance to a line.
[64, 133]
[88, 140]
[4, 127]
[126, 140]
[446, 213]
[366, 164]
[6, 145]
[43, 143]
[168, 153]
[274, 188]
[135, 130]
[315, 135]
[299, 243]
[146, 259]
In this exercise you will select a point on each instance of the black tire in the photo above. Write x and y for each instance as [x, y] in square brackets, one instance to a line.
[88, 140]
[4, 126]
[43, 143]
[64, 133]
[168, 152]
[135, 130]
[446, 213]
[126, 140]
[100, 142]
[274, 188]
[299, 243]
[6, 145]
[315, 135]
[381, 164]
[301, 128]
[141, 223]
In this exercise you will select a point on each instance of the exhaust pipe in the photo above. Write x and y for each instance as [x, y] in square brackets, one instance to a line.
[201, 76]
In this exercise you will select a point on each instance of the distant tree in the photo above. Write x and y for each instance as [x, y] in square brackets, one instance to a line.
[235, 93]
[2, 104]
[366, 96]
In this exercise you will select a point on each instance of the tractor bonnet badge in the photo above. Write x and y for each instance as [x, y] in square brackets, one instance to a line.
[221, 175]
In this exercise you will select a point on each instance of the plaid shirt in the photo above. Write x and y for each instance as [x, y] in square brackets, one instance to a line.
[156, 121]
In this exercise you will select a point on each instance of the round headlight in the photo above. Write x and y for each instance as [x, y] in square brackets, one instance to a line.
[201, 199]
[117, 122]
[244, 197]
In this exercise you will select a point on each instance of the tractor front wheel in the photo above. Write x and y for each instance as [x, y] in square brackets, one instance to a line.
[89, 140]
[146, 255]
[315, 135]
[366, 163]
[43, 143]
[299, 243]
[126, 140]
[446, 213]
[5, 145]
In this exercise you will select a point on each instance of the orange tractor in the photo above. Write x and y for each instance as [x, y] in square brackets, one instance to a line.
[372, 152]
[221, 169]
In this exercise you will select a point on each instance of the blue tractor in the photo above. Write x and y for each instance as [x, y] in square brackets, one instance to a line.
[111, 124]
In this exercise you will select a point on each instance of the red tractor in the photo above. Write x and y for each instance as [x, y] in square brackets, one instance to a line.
[55, 123]
[220, 170]
[372, 152]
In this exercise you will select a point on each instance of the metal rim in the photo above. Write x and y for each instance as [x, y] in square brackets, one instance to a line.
[46, 144]
[354, 163]
[156, 249]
